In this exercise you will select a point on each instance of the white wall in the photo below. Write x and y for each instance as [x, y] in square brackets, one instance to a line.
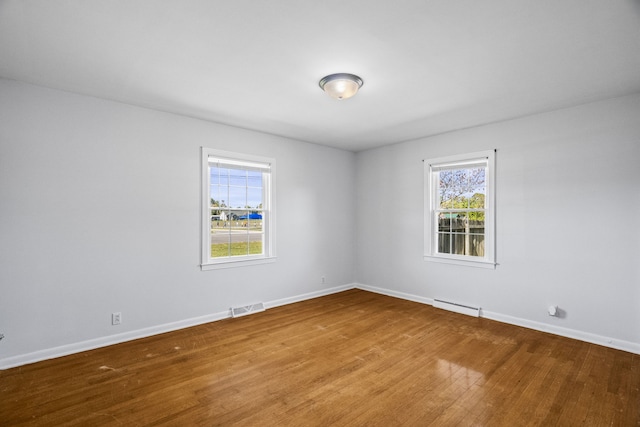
[100, 212]
[568, 229]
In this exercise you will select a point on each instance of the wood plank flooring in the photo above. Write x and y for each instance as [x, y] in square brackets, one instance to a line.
[349, 359]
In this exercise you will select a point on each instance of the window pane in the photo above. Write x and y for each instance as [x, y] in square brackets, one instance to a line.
[219, 176]
[477, 200]
[476, 245]
[475, 179]
[237, 197]
[255, 247]
[254, 179]
[457, 244]
[462, 188]
[451, 184]
[476, 222]
[477, 188]
[254, 198]
[445, 221]
[238, 177]
[458, 223]
[240, 235]
[444, 243]
[461, 233]
[218, 195]
[255, 228]
[220, 245]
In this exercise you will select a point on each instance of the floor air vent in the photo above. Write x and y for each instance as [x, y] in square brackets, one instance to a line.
[247, 309]
[458, 308]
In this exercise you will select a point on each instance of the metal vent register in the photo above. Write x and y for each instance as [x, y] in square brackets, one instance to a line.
[247, 309]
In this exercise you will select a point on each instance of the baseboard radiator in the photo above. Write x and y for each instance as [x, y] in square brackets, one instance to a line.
[247, 309]
[458, 308]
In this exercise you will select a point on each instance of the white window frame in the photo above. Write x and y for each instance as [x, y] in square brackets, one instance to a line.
[268, 209]
[431, 168]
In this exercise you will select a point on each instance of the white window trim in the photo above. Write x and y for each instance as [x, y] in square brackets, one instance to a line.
[269, 209]
[430, 200]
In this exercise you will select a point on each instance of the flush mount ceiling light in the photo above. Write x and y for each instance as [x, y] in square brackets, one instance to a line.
[341, 85]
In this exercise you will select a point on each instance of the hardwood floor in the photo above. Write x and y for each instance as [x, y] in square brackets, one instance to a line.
[349, 359]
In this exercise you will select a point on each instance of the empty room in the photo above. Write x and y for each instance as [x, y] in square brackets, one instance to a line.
[315, 213]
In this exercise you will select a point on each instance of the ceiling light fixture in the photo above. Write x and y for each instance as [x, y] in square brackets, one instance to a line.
[341, 85]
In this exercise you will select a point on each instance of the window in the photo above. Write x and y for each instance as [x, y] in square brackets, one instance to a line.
[238, 214]
[460, 209]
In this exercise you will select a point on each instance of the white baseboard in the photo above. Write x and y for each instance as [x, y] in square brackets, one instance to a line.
[65, 350]
[618, 344]
[396, 294]
[310, 295]
[51, 353]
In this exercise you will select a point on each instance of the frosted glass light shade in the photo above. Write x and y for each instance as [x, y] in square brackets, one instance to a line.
[341, 85]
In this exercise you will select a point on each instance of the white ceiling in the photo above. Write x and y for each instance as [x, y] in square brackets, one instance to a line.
[429, 66]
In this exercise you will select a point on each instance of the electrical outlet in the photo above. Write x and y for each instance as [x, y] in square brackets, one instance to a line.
[116, 318]
[322, 279]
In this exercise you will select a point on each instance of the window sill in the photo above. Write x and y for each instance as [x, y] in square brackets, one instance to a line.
[236, 263]
[458, 261]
